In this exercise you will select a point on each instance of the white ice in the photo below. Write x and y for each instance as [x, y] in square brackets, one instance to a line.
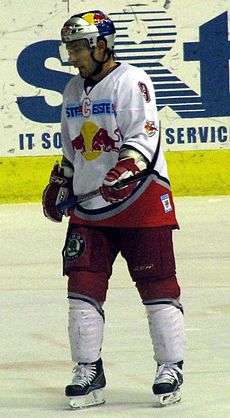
[35, 361]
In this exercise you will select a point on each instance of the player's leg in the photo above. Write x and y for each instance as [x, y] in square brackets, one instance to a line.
[151, 264]
[88, 257]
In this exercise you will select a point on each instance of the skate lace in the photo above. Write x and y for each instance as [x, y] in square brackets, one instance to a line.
[84, 374]
[167, 373]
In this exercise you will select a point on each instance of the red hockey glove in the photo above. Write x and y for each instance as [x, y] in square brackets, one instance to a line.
[58, 190]
[123, 169]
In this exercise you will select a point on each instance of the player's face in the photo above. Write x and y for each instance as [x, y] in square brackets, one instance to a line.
[80, 57]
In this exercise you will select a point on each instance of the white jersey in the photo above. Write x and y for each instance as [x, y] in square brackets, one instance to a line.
[96, 121]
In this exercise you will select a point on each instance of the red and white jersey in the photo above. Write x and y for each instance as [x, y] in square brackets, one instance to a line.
[96, 122]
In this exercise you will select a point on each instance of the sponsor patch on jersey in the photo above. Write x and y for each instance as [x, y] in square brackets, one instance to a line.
[144, 91]
[88, 108]
[150, 128]
[73, 111]
[75, 246]
[166, 203]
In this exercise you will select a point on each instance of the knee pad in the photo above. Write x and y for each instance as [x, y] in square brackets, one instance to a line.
[86, 326]
[152, 288]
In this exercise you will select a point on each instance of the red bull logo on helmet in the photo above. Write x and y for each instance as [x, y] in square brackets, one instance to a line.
[94, 140]
[94, 18]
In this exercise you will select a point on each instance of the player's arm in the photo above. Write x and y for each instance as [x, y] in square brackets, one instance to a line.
[136, 114]
[137, 121]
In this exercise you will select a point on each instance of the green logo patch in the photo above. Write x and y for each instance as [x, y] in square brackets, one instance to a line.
[75, 246]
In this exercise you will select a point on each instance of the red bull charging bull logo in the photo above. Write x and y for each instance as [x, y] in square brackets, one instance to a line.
[95, 17]
[93, 141]
[150, 128]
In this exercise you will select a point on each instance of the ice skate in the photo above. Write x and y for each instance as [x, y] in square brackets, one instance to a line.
[166, 387]
[87, 385]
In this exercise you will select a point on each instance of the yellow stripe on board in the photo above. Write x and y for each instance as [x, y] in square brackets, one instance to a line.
[199, 173]
[192, 173]
[24, 178]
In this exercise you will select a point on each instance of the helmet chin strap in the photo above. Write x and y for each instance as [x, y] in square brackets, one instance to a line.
[99, 66]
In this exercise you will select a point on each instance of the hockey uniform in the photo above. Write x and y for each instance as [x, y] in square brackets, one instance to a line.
[97, 121]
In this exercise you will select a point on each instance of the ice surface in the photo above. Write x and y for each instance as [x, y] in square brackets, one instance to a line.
[35, 362]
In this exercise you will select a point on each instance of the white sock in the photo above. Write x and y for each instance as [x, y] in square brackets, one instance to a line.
[86, 327]
[166, 327]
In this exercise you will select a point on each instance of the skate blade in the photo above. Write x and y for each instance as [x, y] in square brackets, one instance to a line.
[94, 398]
[167, 399]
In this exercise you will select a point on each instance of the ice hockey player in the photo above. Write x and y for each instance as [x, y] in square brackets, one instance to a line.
[110, 131]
